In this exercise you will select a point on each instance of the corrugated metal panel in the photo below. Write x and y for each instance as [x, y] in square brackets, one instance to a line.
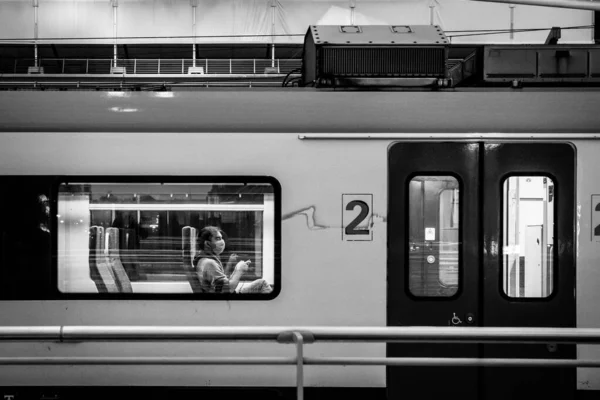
[383, 61]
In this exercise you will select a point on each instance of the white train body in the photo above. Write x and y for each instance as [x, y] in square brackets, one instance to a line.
[326, 279]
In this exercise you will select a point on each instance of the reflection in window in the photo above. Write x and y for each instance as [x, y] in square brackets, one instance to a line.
[528, 236]
[433, 209]
[143, 237]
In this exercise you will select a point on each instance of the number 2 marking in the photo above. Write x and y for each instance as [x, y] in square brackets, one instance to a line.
[364, 211]
[597, 228]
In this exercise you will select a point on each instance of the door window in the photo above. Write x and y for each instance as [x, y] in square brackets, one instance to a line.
[434, 232]
[528, 236]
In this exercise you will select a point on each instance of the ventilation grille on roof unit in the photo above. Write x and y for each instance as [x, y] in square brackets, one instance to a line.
[378, 55]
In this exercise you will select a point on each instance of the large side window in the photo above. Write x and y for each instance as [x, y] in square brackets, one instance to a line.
[528, 236]
[212, 239]
[434, 232]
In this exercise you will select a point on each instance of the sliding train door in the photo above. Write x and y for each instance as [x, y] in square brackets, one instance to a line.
[481, 234]
[529, 262]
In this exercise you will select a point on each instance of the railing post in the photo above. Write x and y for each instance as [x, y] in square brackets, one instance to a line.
[206, 65]
[115, 4]
[273, 5]
[512, 21]
[87, 66]
[254, 66]
[299, 340]
[182, 67]
[230, 66]
[158, 66]
[63, 66]
[36, 6]
[431, 14]
[194, 4]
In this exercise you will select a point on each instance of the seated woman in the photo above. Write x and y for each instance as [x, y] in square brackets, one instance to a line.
[211, 273]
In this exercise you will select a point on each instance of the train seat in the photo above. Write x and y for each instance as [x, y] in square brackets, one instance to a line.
[128, 252]
[188, 246]
[96, 239]
[100, 270]
[114, 261]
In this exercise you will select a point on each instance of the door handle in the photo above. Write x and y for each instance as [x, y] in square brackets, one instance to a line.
[470, 318]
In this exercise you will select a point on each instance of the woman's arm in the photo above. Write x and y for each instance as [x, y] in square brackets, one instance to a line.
[231, 264]
[240, 270]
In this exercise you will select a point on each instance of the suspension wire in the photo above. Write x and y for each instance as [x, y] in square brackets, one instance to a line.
[503, 31]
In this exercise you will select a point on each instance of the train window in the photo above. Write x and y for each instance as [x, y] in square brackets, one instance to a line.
[434, 232]
[148, 238]
[528, 236]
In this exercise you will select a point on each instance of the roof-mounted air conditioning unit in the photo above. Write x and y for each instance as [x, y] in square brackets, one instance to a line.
[374, 55]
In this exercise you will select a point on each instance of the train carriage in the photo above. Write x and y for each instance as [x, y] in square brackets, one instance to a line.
[381, 208]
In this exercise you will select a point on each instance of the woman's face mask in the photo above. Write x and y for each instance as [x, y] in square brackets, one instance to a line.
[217, 244]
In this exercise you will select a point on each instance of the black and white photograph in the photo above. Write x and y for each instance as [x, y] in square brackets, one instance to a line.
[300, 199]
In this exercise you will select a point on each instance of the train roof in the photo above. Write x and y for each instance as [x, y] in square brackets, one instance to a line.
[303, 110]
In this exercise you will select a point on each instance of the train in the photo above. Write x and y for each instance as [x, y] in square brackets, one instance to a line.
[463, 207]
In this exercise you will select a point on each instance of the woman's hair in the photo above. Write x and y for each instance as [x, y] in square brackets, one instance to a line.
[206, 234]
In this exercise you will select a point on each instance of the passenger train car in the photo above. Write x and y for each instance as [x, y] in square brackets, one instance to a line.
[467, 207]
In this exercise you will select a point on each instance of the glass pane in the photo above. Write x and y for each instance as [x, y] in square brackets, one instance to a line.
[149, 238]
[528, 236]
[434, 232]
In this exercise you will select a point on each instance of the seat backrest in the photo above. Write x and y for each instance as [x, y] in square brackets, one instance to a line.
[128, 252]
[114, 261]
[188, 250]
[96, 247]
[102, 274]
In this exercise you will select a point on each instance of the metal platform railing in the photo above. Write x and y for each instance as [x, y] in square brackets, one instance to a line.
[299, 336]
[138, 66]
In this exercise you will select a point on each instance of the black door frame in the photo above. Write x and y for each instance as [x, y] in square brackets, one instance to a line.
[406, 160]
[488, 163]
[558, 161]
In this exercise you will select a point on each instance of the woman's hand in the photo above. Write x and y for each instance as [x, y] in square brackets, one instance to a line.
[242, 266]
[233, 258]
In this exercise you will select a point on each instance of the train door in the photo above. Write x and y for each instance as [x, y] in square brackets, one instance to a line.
[481, 234]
